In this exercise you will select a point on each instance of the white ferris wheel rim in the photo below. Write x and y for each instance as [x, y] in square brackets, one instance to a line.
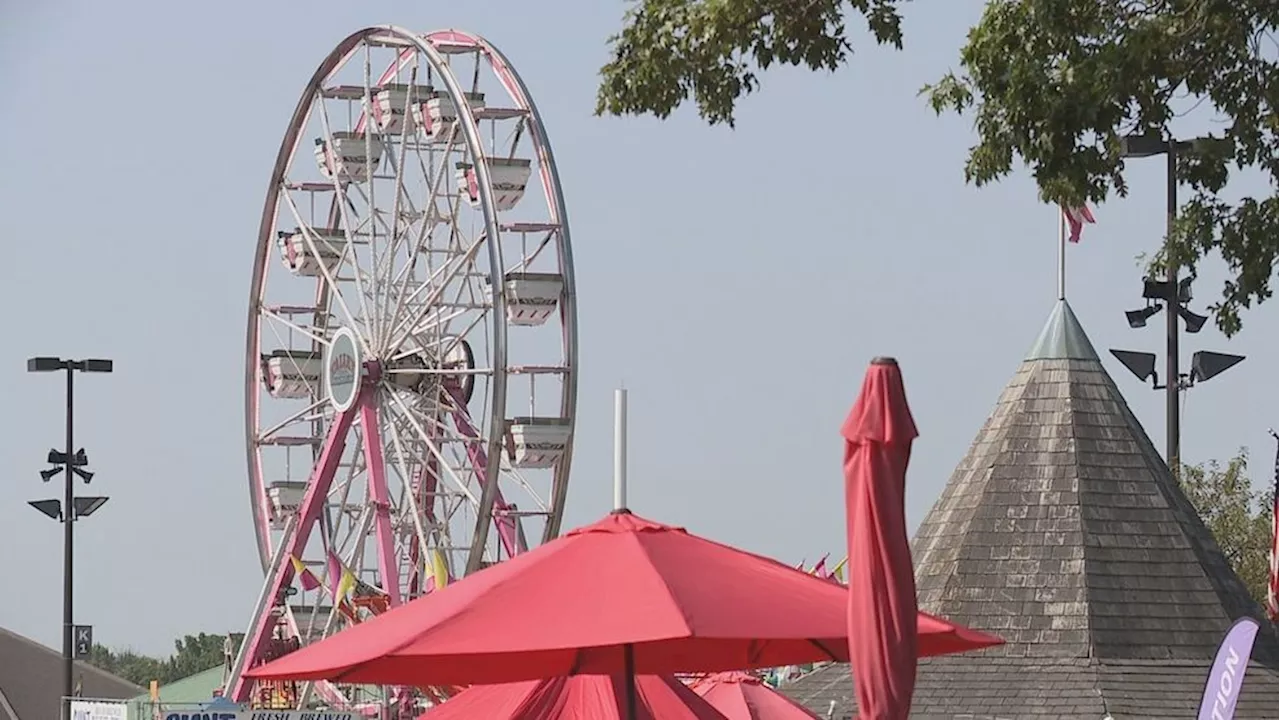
[423, 46]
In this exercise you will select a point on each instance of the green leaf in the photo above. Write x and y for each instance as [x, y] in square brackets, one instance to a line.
[710, 51]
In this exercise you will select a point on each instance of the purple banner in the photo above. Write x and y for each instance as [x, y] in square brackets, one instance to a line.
[1227, 675]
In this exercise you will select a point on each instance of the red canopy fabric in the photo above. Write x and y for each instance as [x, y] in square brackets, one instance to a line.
[882, 589]
[742, 696]
[583, 697]
[572, 606]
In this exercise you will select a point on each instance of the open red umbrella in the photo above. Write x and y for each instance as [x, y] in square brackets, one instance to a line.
[742, 696]
[624, 594]
[583, 697]
[883, 635]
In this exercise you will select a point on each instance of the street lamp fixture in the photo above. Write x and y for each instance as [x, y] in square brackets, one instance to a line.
[1204, 366]
[72, 463]
[87, 505]
[51, 508]
[53, 364]
[83, 505]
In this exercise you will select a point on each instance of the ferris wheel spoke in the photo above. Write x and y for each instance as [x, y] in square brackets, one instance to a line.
[415, 512]
[507, 524]
[309, 237]
[310, 412]
[347, 229]
[368, 121]
[401, 194]
[276, 316]
[431, 446]
[429, 223]
[401, 330]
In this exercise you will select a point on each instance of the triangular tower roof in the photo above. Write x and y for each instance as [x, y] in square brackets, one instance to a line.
[1063, 532]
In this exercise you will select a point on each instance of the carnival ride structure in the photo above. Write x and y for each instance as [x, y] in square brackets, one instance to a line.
[411, 352]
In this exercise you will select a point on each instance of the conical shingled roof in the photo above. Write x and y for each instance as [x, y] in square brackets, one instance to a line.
[1063, 532]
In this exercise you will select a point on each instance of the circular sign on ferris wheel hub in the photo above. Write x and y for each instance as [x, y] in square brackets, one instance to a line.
[342, 370]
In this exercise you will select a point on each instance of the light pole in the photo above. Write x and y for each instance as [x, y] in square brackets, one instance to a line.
[1141, 146]
[74, 464]
[1204, 363]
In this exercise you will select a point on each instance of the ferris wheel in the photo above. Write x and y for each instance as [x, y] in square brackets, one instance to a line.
[411, 354]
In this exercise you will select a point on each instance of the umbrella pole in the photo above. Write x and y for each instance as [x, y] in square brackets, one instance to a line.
[619, 450]
[629, 678]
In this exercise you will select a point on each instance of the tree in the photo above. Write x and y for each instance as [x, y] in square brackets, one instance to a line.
[136, 668]
[1057, 84]
[710, 50]
[192, 654]
[1053, 83]
[1238, 517]
[196, 653]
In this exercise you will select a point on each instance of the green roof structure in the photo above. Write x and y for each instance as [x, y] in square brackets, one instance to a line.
[183, 694]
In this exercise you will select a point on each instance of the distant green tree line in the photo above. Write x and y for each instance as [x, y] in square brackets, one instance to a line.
[192, 654]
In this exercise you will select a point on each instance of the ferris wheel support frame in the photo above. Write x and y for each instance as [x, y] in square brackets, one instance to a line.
[294, 540]
[493, 511]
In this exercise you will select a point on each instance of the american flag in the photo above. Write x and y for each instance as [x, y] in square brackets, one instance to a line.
[1077, 217]
[1273, 580]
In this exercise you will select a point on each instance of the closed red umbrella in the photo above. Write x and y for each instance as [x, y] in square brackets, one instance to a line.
[583, 697]
[623, 594]
[883, 637]
[742, 696]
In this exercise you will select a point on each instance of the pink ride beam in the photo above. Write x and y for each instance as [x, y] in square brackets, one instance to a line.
[505, 523]
[308, 513]
[380, 497]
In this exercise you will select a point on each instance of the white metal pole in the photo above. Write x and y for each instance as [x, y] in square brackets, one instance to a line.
[620, 449]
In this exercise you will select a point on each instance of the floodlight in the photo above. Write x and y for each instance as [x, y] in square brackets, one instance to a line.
[45, 364]
[1141, 364]
[98, 365]
[1206, 365]
[86, 506]
[1141, 146]
[51, 508]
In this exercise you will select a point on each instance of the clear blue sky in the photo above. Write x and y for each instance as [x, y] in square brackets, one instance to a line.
[737, 281]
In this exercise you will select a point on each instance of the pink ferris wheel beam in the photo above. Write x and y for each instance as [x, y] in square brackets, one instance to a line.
[505, 522]
[424, 489]
[381, 498]
[295, 540]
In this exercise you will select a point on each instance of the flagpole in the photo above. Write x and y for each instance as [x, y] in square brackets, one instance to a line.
[1062, 255]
